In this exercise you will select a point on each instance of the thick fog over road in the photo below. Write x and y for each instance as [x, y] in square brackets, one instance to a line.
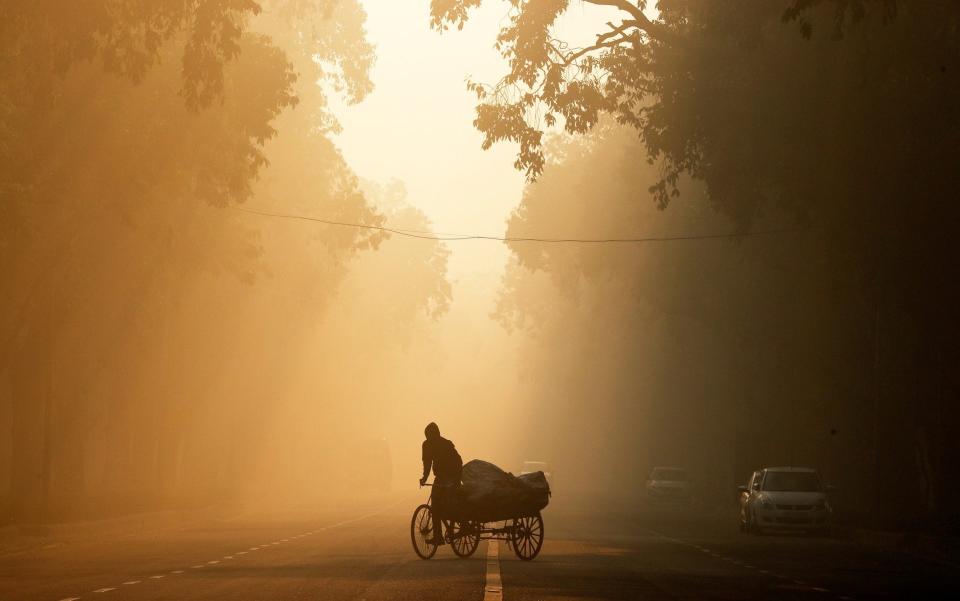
[670, 253]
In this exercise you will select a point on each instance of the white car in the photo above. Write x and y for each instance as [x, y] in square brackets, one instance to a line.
[785, 498]
[669, 484]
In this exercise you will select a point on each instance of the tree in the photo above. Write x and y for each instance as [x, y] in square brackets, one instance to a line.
[837, 116]
[129, 130]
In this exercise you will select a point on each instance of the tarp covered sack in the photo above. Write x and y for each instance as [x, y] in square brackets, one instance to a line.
[490, 494]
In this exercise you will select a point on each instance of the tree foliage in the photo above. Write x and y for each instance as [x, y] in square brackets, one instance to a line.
[835, 116]
[147, 325]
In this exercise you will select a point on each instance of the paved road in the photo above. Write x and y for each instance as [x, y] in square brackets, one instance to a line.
[363, 553]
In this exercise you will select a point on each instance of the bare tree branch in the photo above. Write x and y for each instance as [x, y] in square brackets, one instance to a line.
[608, 44]
[654, 30]
[602, 37]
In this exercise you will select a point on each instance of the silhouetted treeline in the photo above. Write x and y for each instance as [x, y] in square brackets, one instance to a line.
[835, 345]
[154, 337]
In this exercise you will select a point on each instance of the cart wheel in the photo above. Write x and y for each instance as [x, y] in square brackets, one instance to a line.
[421, 532]
[464, 537]
[527, 536]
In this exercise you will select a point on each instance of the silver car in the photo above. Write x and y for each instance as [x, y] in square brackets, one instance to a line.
[785, 498]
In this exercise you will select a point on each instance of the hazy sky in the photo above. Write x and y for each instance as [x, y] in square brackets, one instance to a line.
[417, 124]
[417, 127]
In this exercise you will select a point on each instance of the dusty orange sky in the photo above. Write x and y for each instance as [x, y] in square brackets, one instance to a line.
[416, 126]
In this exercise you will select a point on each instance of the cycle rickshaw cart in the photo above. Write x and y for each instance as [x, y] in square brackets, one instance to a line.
[523, 531]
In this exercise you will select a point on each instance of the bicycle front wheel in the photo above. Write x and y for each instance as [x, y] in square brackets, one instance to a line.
[421, 532]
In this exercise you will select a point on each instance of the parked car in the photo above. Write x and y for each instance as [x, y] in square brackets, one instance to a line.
[669, 484]
[785, 498]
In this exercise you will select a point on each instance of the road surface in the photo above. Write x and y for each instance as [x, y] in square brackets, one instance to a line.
[364, 553]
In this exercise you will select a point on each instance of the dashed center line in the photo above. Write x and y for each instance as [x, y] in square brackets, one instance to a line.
[177, 572]
[105, 589]
[157, 577]
[493, 588]
[129, 582]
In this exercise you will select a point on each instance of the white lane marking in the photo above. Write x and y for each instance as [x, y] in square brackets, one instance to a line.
[241, 553]
[362, 517]
[741, 564]
[495, 554]
[493, 588]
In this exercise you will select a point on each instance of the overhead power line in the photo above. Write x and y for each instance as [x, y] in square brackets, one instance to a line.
[427, 235]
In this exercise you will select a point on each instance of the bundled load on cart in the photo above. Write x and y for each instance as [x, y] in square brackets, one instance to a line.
[490, 494]
[490, 505]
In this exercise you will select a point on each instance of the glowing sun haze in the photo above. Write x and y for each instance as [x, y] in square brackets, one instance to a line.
[416, 126]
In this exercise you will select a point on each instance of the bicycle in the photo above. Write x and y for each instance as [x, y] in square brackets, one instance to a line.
[524, 533]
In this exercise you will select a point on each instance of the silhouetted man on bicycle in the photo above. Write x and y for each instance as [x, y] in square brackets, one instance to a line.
[440, 454]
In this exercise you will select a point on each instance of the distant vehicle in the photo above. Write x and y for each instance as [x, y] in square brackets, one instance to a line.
[669, 484]
[785, 498]
[538, 466]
